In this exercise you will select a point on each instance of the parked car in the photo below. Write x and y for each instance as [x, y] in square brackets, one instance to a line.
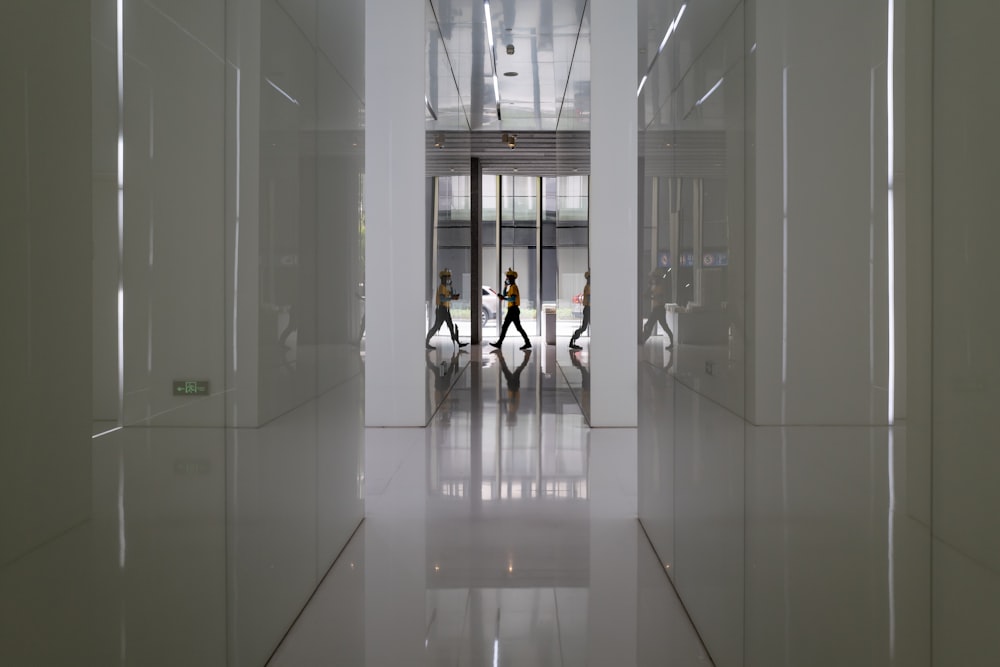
[491, 304]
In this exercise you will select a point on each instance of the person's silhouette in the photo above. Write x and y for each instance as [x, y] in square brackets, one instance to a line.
[512, 295]
[513, 384]
[586, 314]
[442, 314]
[658, 295]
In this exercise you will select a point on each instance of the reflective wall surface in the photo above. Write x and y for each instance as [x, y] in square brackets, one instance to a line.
[198, 547]
[227, 208]
[692, 299]
[965, 362]
[788, 546]
[832, 506]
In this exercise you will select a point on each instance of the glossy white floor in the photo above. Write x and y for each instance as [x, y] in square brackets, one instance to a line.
[503, 534]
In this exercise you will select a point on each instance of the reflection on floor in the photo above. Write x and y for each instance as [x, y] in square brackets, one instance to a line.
[503, 534]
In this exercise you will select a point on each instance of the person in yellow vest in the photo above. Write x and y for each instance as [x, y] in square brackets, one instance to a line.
[512, 296]
[586, 315]
[442, 314]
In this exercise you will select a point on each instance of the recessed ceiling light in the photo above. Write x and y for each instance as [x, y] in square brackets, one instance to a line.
[510, 73]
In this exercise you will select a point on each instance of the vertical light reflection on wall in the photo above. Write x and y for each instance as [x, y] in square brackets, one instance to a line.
[120, 38]
[891, 212]
[122, 550]
[236, 237]
[784, 241]
[872, 380]
[892, 543]
[786, 576]
[152, 240]
[891, 269]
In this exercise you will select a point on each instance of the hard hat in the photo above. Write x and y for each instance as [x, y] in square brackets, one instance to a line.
[446, 273]
[511, 273]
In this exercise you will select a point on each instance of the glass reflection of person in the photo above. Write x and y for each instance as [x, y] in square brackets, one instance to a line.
[513, 384]
[586, 315]
[658, 295]
[512, 295]
[444, 376]
[584, 377]
[442, 314]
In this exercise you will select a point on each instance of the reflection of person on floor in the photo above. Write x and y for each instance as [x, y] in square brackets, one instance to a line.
[360, 294]
[444, 376]
[442, 314]
[586, 314]
[512, 296]
[658, 295]
[513, 384]
[584, 376]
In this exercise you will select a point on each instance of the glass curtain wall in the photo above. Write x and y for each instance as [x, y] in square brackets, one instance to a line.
[565, 240]
[552, 211]
[453, 244]
[519, 243]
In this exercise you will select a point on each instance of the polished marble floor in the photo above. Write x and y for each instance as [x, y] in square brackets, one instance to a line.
[503, 534]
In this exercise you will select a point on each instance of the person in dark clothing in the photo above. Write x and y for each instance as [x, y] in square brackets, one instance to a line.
[442, 314]
[658, 295]
[586, 314]
[513, 298]
[513, 384]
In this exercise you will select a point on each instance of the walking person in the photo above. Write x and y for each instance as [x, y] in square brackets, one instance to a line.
[513, 298]
[658, 295]
[586, 315]
[442, 314]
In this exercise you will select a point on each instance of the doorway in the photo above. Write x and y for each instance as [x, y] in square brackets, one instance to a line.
[536, 225]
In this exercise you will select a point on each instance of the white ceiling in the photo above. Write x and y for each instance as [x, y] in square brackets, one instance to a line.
[551, 89]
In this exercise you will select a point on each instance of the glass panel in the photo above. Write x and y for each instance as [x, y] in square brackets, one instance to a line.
[453, 247]
[571, 201]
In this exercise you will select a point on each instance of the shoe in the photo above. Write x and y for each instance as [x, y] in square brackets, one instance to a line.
[463, 344]
[574, 346]
[526, 346]
[496, 344]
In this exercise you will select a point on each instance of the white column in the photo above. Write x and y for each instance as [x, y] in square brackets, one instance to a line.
[395, 265]
[613, 211]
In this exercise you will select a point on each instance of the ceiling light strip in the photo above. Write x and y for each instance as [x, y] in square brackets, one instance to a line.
[493, 54]
[670, 31]
[709, 93]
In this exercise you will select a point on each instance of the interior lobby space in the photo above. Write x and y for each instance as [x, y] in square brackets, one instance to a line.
[499, 332]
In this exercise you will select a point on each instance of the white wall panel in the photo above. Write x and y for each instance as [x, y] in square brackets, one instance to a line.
[708, 488]
[174, 211]
[836, 572]
[822, 296]
[45, 273]
[966, 461]
[613, 214]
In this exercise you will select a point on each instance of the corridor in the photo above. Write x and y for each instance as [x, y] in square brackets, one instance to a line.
[503, 534]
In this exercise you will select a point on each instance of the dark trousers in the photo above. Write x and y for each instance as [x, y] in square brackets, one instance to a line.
[513, 316]
[657, 314]
[583, 326]
[441, 316]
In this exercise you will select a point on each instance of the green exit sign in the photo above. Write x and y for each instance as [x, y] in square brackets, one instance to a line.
[190, 388]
